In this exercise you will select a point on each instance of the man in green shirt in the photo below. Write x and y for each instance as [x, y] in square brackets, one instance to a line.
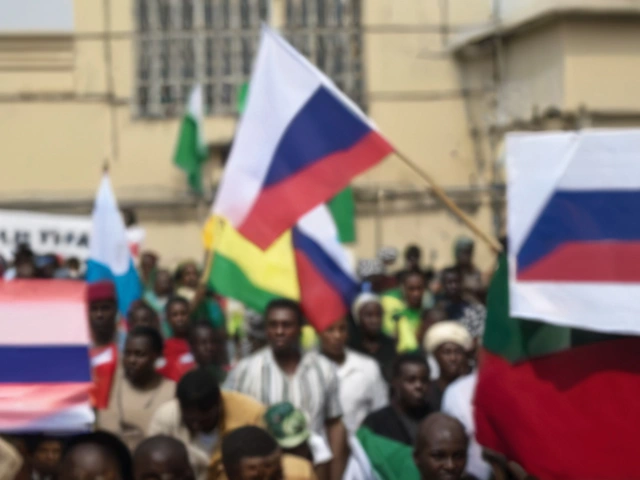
[402, 316]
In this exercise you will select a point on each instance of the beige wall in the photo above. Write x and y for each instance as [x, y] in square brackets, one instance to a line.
[534, 74]
[603, 64]
[58, 140]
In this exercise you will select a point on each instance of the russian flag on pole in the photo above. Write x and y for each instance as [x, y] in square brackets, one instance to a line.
[45, 375]
[300, 141]
[327, 283]
[574, 234]
[109, 254]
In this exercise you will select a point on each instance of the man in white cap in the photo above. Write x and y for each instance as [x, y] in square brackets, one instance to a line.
[449, 342]
[368, 337]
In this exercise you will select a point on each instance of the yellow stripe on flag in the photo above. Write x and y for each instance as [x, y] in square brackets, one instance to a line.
[272, 270]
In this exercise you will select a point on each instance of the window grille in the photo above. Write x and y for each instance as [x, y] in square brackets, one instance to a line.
[213, 42]
[329, 33]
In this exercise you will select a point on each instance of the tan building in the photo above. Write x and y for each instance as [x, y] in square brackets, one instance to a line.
[83, 83]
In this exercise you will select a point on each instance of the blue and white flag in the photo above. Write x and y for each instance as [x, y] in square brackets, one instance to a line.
[109, 254]
[574, 234]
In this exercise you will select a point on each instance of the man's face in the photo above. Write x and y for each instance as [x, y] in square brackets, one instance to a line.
[164, 283]
[283, 330]
[190, 276]
[204, 346]
[148, 262]
[464, 256]
[412, 385]
[139, 359]
[413, 261]
[25, 269]
[371, 318]
[178, 318]
[261, 468]
[47, 457]
[102, 319]
[200, 421]
[442, 456]
[334, 339]
[452, 360]
[143, 317]
[414, 290]
[451, 285]
[162, 465]
[88, 462]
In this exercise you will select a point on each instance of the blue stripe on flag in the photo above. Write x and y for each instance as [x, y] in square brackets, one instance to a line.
[582, 216]
[50, 364]
[323, 126]
[326, 266]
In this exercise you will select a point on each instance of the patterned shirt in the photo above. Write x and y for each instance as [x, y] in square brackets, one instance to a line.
[313, 388]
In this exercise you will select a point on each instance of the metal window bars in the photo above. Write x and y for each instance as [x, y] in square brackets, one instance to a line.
[213, 42]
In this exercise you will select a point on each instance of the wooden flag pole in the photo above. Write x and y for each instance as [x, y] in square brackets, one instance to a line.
[450, 204]
[206, 271]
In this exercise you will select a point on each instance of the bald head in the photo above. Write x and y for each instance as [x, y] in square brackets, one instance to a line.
[441, 448]
[89, 460]
[161, 456]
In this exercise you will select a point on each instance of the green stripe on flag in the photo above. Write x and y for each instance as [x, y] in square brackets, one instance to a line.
[241, 100]
[519, 339]
[515, 338]
[343, 210]
[189, 154]
[390, 460]
[229, 280]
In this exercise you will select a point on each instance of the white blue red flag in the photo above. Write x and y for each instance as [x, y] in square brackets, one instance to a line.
[45, 375]
[327, 282]
[574, 229]
[300, 141]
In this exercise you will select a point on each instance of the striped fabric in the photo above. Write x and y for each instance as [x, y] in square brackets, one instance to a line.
[45, 375]
[313, 388]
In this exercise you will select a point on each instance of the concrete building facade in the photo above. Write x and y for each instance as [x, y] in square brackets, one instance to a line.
[443, 79]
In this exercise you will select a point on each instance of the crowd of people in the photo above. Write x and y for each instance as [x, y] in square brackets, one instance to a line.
[189, 385]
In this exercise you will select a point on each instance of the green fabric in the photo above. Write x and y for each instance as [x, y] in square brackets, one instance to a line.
[230, 281]
[218, 373]
[401, 322]
[190, 154]
[394, 292]
[343, 210]
[390, 460]
[241, 100]
[519, 339]
[514, 338]
[210, 310]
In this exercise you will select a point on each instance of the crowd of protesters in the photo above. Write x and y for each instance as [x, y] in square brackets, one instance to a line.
[193, 386]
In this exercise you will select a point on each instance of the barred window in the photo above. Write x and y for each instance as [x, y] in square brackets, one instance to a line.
[329, 33]
[213, 42]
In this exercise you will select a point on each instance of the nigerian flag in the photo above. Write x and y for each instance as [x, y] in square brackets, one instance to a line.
[191, 150]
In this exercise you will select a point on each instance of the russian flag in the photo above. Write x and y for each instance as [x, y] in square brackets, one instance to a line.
[109, 254]
[574, 201]
[45, 376]
[300, 141]
[327, 282]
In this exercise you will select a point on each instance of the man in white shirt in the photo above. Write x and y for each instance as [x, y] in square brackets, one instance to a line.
[281, 372]
[458, 402]
[362, 388]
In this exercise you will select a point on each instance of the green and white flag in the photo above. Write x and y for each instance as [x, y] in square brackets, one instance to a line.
[191, 150]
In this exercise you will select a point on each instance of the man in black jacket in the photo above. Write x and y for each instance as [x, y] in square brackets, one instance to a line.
[410, 385]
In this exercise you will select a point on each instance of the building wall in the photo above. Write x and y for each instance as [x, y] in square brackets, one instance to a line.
[65, 111]
[603, 64]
